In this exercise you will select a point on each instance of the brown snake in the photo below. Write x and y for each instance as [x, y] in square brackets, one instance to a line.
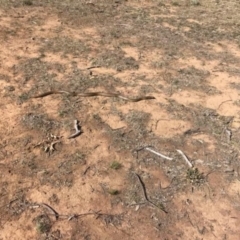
[92, 94]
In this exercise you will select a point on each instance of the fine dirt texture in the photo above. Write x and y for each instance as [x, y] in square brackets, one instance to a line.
[111, 182]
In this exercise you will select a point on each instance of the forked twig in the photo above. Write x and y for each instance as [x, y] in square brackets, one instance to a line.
[54, 212]
[51, 209]
[65, 216]
[146, 196]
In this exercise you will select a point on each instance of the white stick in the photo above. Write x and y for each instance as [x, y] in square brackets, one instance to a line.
[77, 129]
[185, 158]
[76, 126]
[158, 154]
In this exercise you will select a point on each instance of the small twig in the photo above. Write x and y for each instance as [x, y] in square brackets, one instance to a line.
[83, 214]
[158, 154]
[51, 209]
[223, 103]
[69, 217]
[51, 148]
[77, 129]
[55, 213]
[84, 173]
[137, 204]
[229, 135]
[185, 158]
[11, 202]
[143, 187]
[88, 68]
[145, 194]
[155, 152]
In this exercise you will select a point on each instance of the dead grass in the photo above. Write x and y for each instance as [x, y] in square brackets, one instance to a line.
[43, 224]
[147, 46]
[115, 59]
[39, 122]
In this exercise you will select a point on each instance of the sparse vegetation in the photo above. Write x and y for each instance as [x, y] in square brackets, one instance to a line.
[184, 53]
[43, 224]
[115, 165]
[113, 191]
[194, 176]
[28, 2]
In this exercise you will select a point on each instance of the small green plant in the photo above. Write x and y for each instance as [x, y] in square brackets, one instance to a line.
[43, 224]
[113, 191]
[195, 2]
[23, 97]
[175, 3]
[194, 176]
[28, 2]
[115, 165]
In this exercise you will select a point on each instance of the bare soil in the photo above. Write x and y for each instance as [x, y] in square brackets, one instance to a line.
[105, 184]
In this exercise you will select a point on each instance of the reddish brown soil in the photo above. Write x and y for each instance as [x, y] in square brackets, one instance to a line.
[184, 54]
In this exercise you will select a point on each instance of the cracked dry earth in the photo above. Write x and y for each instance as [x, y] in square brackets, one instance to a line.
[184, 53]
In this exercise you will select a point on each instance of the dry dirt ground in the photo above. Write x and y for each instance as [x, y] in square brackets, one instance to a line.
[105, 184]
